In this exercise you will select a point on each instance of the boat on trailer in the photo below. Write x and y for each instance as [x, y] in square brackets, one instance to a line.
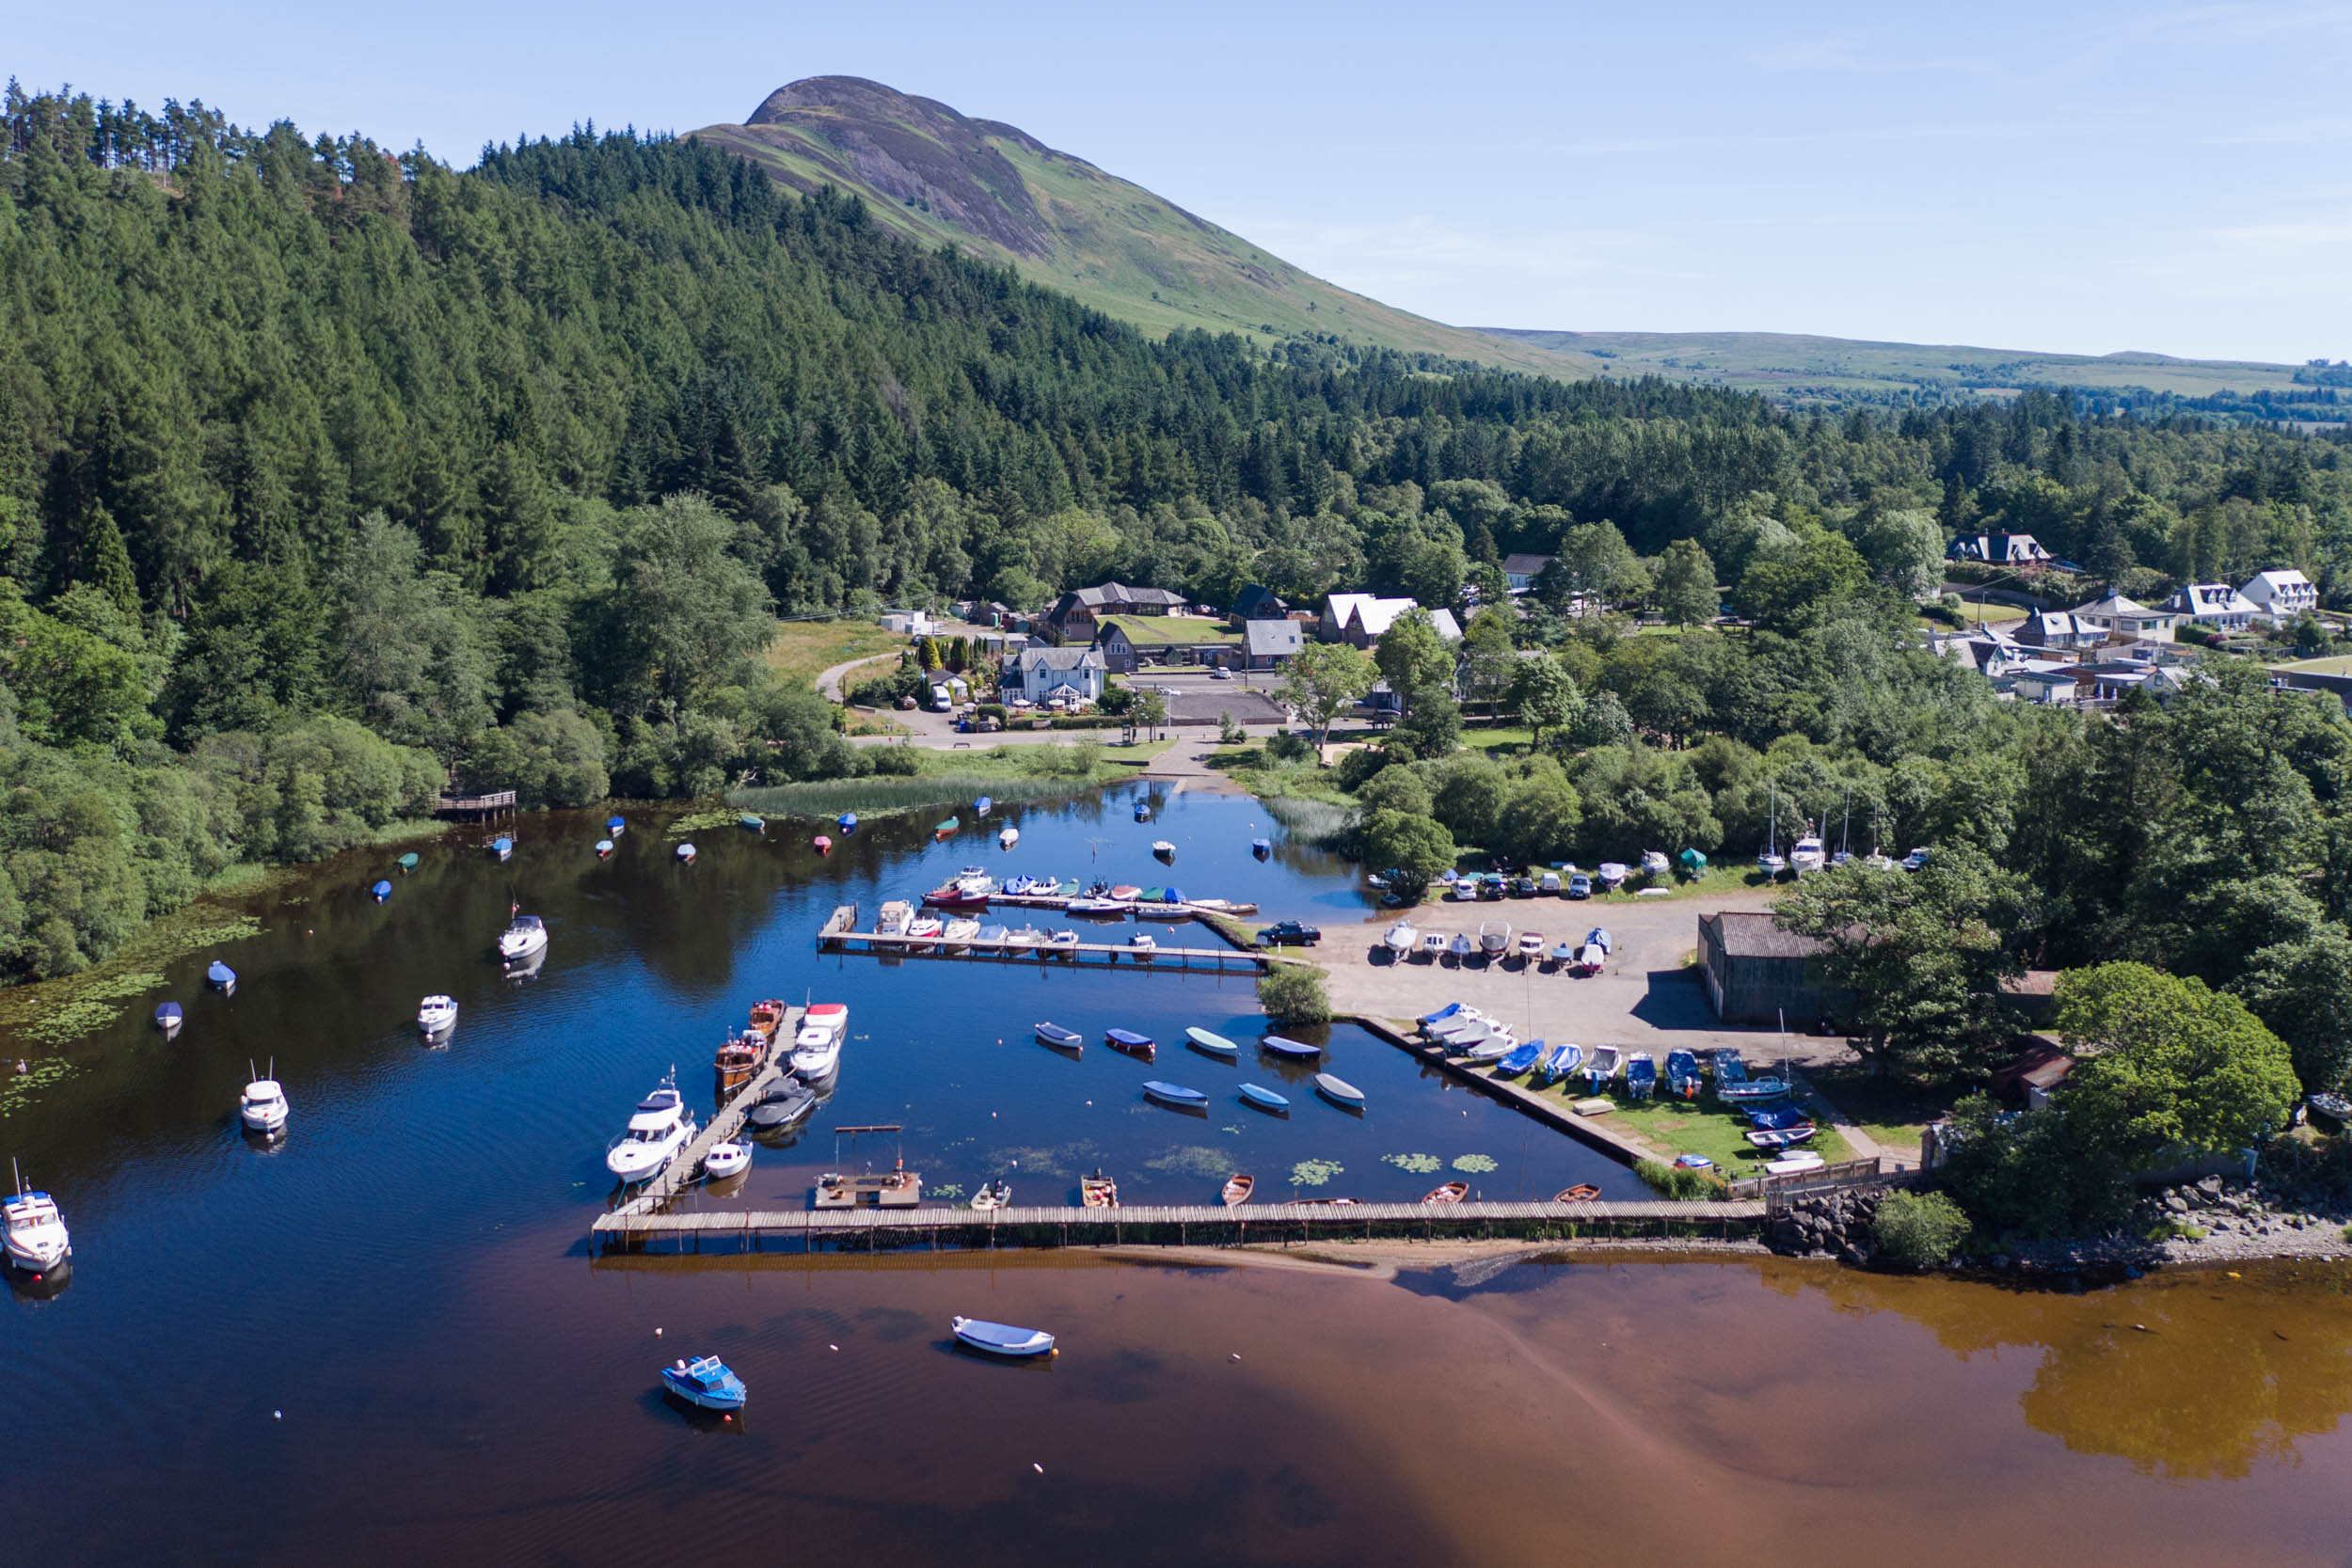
[1559, 1062]
[1601, 1063]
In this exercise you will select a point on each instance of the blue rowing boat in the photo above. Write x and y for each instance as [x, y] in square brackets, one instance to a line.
[1520, 1060]
[1001, 1338]
[382, 891]
[221, 977]
[1265, 1099]
[168, 1016]
[1127, 1040]
[1176, 1095]
[1298, 1049]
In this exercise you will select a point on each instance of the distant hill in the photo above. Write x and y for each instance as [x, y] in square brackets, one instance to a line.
[938, 177]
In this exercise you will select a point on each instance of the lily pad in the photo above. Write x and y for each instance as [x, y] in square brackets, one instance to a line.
[1420, 1164]
[1315, 1173]
[1474, 1163]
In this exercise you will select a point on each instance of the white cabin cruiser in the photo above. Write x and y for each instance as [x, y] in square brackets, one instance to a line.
[1807, 855]
[728, 1160]
[816, 1049]
[661, 1126]
[37, 1239]
[527, 936]
[897, 916]
[262, 1107]
[1401, 937]
[436, 1014]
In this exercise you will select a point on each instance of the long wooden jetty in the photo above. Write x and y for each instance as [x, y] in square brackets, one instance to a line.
[899, 1229]
[724, 1124]
[839, 934]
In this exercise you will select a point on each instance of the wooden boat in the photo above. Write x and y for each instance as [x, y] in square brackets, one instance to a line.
[1339, 1091]
[1296, 1050]
[1175, 1095]
[604, 849]
[1453, 1192]
[1098, 1191]
[1583, 1192]
[739, 1058]
[1215, 1045]
[1130, 1042]
[408, 861]
[1237, 1191]
[705, 1382]
[1061, 1038]
[1265, 1099]
[1520, 1060]
[168, 1016]
[1001, 1338]
[822, 845]
[753, 824]
[992, 1195]
[686, 854]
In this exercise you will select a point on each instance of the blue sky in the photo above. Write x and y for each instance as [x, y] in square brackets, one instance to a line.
[2085, 178]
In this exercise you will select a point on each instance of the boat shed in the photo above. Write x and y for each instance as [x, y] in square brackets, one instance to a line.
[1756, 973]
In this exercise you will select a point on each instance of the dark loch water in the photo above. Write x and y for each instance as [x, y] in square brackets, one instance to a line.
[383, 1337]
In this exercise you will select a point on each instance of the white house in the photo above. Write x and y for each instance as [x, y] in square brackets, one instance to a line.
[909, 622]
[1360, 618]
[2280, 594]
[1999, 550]
[1040, 674]
[2126, 618]
[2214, 604]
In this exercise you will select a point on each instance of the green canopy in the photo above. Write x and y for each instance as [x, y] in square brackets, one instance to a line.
[1693, 860]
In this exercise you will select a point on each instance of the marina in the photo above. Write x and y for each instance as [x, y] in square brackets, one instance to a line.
[840, 934]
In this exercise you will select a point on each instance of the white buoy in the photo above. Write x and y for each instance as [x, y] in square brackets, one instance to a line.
[1035, 1465]
[277, 1415]
[657, 1334]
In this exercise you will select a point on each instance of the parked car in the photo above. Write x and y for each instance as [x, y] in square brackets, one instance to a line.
[1580, 886]
[1291, 932]
[1913, 861]
[1220, 674]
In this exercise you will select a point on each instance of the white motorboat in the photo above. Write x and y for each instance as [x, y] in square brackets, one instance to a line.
[1025, 936]
[1065, 939]
[1433, 943]
[974, 881]
[1807, 854]
[1531, 945]
[960, 932]
[1494, 938]
[1143, 944]
[527, 936]
[1007, 836]
[1401, 937]
[37, 1239]
[816, 1049]
[660, 1126]
[728, 1160]
[1461, 946]
[437, 1015]
[923, 929]
[262, 1107]
[895, 916]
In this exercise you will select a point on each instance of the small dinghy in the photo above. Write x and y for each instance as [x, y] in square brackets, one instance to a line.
[616, 826]
[436, 1014]
[822, 845]
[705, 1382]
[381, 891]
[1061, 1038]
[1176, 1095]
[408, 861]
[604, 849]
[1453, 1192]
[1215, 1045]
[503, 848]
[1560, 1061]
[1261, 847]
[847, 822]
[1143, 810]
[1001, 1338]
[1007, 837]
[1237, 1191]
[992, 1195]
[728, 1160]
[1164, 849]
[1098, 1191]
[781, 1107]
[1296, 1050]
[168, 1016]
[1265, 1099]
[1520, 1060]
[1583, 1192]
[1128, 1039]
[753, 824]
[686, 854]
[983, 806]
[1339, 1091]
[220, 976]
[948, 828]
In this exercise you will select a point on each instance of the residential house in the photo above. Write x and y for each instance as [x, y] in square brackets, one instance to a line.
[2127, 619]
[2212, 604]
[2112, 680]
[2282, 594]
[1076, 615]
[2051, 682]
[1756, 973]
[1520, 571]
[2058, 630]
[1988, 650]
[1127, 642]
[1041, 674]
[1359, 619]
[1259, 602]
[909, 622]
[1999, 550]
[1271, 644]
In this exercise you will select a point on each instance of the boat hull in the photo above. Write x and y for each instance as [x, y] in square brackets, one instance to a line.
[1004, 1340]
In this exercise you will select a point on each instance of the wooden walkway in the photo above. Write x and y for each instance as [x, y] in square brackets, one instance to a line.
[724, 1124]
[879, 1229]
[475, 805]
[839, 935]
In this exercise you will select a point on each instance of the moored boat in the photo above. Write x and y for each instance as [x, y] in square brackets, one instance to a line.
[923, 929]
[526, 935]
[408, 861]
[822, 845]
[1215, 1044]
[262, 1105]
[1339, 1091]
[1265, 1099]
[436, 1014]
[847, 822]
[1060, 1038]
[1261, 847]
[992, 1195]
[1296, 1050]
[742, 1056]
[948, 828]
[1130, 1042]
[168, 1016]
[960, 932]
[686, 854]
[616, 826]
[1064, 942]
[1175, 1095]
[752, 823]
[503, 848]
[706, 1381]
[1453, 1192]
[781, 1106]
[1098, 1191]
[380, 891]
[657, 1129]
[994, 936]
[604, 849]
[220, 976]
[1001, 1338]
[1143, 944]
[1164, 849]
[1238, 1189]
[895, 917]
[36, 1237]
[983, 806]
[727, 1161]
[1095, 906]
[816, 1049]
[1583, 1192]
[1007, 837]
[1143, 810]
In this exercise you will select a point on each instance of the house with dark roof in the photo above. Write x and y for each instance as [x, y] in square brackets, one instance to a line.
[1271, 644]
[2056, 628]
[1520, 571]
[1257, 602]
[2212, 604]
[1756, 973]
[1127, 642]
[1076, 613]
[1999, 550]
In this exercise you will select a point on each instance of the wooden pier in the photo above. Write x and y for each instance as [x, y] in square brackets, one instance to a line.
[938, 1228]
[724, 1124]
[839, 934]
[502, 802]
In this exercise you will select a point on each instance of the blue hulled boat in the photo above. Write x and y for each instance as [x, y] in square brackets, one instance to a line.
[706, 1382]
[382, 891]
[1519, 1060]
[1176, 1095]
[220, 976]
[1265, 1099]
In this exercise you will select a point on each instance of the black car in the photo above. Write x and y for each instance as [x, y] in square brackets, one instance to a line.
[1290, 931]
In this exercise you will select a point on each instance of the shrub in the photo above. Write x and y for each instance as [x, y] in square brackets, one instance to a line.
[895, 761]
[1360, 764]
[1230, 732]
[1294, 993]
[1116, 699]
[1675, 1181]
[1284, 747]
[1919, 1230]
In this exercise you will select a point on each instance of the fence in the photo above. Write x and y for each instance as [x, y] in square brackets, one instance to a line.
[1779, 1191]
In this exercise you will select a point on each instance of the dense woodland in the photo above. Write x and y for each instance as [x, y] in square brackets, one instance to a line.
[327, 474]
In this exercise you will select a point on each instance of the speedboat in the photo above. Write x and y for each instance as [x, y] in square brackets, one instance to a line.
[381, 891]
[1591, 957]
[1215, 1045]
[1433, 944]
[960, 932]
[1001, 1338]
[1265, 1099]
[1007, 836]
[1130, 1042]
[686, 854]
[1128, 890]
[781, 1106]
[660, 1126]
[503, 848]
[727, 1161]
[816, 1049]
[1175, 1095]
[1641, 1074]
[435, 1014]
[923, 929]
[1461, 946]
[168, 1016]
[37, 1239]
[262, 1105]
[1603, 1064]
[1296, 1049]
[895, 918]
[220, 976]
[1339, 1091]
[1401, 937]
[1060, 1038]
[1560, 1061]
[1531, 945]
[1494, 938]
[706, 1382]
[994, 936]
[1025, 936]
[520, 940]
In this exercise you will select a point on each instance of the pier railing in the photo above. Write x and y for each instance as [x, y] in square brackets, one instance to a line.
[475, 805]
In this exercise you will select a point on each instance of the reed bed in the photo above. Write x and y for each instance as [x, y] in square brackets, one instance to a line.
[880, 796]
[1316, 823]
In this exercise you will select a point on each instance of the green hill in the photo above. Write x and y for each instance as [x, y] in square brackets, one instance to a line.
[937, 177]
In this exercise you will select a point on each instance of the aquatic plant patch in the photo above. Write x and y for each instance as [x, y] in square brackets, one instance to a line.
[1420, 1164]
[1193, 1160]
[1476, 1163]
[17, 1089]
[1315, 1173]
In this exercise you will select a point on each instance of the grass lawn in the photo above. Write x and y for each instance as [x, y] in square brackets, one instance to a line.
[801, 650]
[1892, 1113]
[2338, 664]
[1253, 771]
[1700, 1126]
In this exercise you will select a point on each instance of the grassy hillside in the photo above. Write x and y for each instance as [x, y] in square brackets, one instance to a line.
[938, 177]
